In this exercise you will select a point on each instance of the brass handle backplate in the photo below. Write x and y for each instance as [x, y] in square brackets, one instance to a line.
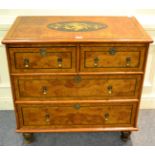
[106, 116]
[26, 63]
[44, 90]
[112, 51]
[109, 89]
[59, 60]
[96, 60]
[128, 61]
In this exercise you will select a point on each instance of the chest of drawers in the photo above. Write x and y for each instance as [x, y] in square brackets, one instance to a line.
[76, 74]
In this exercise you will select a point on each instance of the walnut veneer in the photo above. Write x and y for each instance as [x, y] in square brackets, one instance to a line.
[76, 74]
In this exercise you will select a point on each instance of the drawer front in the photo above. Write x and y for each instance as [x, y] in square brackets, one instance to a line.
[51, 59]
[103, 59]
[77, 115]
[77, 87]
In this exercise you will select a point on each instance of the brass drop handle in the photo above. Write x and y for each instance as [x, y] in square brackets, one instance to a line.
[106, 116]
[109, 90]
[128, 61]
[59, 60]
[47, 118]
[44, 90]
[96, 60]
[26, 63]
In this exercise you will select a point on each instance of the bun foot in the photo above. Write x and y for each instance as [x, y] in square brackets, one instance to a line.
[28, 138]
[125, 135]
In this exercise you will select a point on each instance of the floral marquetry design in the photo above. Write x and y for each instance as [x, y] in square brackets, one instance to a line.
[78, 26]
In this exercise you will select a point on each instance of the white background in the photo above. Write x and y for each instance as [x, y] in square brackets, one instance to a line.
[77, 4]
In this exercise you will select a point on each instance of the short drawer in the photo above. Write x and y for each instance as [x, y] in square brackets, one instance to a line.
[77, 87]
[124, 58]
[50, 59]
[77, 115]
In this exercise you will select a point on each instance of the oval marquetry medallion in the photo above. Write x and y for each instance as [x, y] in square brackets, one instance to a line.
[77, 26]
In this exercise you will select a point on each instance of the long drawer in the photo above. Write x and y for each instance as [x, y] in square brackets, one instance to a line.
[112, 58]
[45, 59]
[85, 87]
[77, 115]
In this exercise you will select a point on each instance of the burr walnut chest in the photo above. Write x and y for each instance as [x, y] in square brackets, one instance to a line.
[76, 74]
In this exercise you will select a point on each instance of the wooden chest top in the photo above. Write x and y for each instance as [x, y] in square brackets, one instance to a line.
[41, 29]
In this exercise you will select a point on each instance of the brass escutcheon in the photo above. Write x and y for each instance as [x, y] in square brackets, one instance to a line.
[77, 106]
[112, 51]
[43, 52]
[77, 78]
